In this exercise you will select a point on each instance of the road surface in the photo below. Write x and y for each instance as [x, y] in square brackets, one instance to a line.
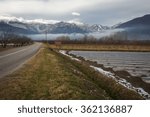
[12, 59]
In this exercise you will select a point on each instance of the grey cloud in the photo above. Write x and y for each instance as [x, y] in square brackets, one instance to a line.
[103, 12]
[115, 13]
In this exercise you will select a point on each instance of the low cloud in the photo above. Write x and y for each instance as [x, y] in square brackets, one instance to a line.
[75, 14]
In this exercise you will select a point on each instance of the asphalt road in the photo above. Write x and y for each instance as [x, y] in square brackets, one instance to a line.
[11, 60]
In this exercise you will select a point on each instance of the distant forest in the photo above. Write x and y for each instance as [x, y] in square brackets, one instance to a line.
[117, 38]
[7, 38]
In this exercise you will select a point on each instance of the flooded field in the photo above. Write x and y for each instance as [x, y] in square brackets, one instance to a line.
[136, 63]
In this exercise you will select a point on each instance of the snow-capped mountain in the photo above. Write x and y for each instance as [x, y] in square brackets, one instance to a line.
[7, 19]
[50, 26]
[98, 28]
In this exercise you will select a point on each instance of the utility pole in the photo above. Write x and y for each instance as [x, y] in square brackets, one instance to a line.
[46, 31]
[46, 36]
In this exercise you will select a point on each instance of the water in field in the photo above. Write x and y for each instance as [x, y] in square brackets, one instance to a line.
[136, 63]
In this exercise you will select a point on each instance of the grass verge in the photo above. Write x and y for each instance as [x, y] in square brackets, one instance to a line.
[99, 47]
[50, 75]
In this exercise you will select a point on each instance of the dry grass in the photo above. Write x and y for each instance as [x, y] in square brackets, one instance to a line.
[98, 47]
[48, 76]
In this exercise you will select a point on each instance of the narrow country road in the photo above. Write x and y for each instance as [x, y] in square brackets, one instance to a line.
[12, 59]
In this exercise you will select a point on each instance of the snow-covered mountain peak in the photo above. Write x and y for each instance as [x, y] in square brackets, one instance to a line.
[98, 27]
[7, 18]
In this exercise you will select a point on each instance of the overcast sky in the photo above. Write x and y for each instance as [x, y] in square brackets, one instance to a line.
[105, 12]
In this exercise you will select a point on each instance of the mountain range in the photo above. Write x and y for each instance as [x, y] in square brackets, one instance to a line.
[140, 25]
[20, 25]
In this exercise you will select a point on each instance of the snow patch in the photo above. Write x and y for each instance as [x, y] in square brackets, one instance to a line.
[64, 53]
[19, 25]
[106, 73]
[9, 18]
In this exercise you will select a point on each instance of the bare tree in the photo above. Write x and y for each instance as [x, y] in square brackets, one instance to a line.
[8, 37]
[5, 39]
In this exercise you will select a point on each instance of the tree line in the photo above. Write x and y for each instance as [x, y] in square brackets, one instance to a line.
[10, 39]
[114, 39]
